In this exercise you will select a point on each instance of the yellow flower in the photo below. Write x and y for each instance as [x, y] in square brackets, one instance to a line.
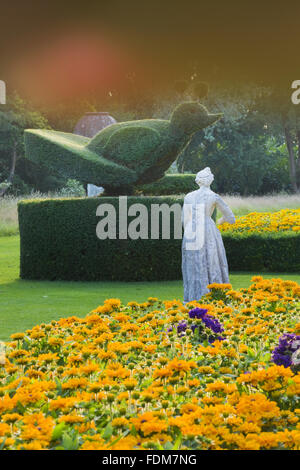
[130, 384]
[11, 417]
[49, 357]
[4, 429]
[119, 422]
[72, 418]
[62, 403]
[75, 383]
[33, 445]
[219, 286]
[114, 303]
[37, 427]
[53, 341]
[17, 336]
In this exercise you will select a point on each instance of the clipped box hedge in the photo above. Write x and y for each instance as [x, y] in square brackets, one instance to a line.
[59, 242]
[171, 184]
[263, 252]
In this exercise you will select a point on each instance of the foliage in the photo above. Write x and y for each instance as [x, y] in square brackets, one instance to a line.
[170, 184]
[58, 241]
[118, 379]
[246, 150]
[243, 158]
[252, 149]
[263, 251]
[283, 118]
[73, 188]
[16, 116]
[53, 151]
[121, 155]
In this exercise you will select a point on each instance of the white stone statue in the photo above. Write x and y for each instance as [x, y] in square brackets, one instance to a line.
[93, 190]
[203, 255]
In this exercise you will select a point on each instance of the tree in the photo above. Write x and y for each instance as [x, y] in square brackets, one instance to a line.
[283, 117]
[245, 156]
[15, 116]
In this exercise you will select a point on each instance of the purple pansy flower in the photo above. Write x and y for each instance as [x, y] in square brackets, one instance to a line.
[209, 321]
[197, 313]
[288, 344]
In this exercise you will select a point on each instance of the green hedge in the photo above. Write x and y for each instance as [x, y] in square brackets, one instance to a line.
[59, 242]
[265, 252]
[171, 184]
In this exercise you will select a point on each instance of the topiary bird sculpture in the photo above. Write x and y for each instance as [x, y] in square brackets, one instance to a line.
[121, 155]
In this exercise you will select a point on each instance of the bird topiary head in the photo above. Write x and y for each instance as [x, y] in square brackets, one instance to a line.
[192, 117]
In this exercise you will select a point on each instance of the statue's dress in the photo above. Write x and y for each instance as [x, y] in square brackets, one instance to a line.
[207, 264]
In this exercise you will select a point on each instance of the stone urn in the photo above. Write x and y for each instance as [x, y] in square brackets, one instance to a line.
[91, 123]
[88, 126]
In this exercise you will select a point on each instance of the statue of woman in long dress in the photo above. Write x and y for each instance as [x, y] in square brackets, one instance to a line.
[203, 255]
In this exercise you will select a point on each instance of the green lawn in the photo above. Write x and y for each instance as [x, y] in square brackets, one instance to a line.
[24, 304]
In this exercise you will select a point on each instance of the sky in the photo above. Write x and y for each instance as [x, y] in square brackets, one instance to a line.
[65, 47]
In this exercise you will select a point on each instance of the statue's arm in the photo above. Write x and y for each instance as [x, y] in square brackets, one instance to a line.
[228, 215]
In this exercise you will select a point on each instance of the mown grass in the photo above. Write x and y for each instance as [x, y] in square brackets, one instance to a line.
[271, 203]
[8, 216]
[24, 304]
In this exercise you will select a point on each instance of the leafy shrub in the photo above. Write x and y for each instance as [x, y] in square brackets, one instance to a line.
[58, 241]
[242, 155]
[73, 188]
[16, 116]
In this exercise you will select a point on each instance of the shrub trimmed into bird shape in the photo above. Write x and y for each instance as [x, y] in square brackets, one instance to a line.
[121, 155]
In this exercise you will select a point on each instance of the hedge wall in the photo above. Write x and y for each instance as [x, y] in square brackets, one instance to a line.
[264, 252]
[59, 242]
[171, 184]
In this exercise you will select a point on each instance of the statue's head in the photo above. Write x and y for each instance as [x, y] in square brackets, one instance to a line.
[204, 177]
[192, 117]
